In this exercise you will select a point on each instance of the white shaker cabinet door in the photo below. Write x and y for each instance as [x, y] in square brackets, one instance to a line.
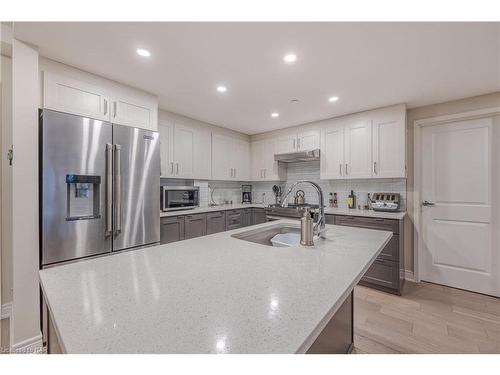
[184, 138]
[241, 162]
[257, 149]
[389, 146]
[222, 157]
[167, 149]
[68, 95]
[286, 144]
[134, 113]
[358, 151]
[309, 140]
[332, 165]
[203, 154]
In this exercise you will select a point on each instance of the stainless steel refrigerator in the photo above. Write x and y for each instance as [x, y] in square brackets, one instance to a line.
[99, 187]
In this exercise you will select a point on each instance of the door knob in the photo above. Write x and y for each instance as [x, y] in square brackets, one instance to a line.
[427, 203]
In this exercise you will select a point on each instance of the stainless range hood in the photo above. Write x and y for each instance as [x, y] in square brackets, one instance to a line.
[291, 157]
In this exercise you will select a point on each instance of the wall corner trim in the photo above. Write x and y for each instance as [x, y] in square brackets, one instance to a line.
[33, 345]
[6, 310]
[408, 275]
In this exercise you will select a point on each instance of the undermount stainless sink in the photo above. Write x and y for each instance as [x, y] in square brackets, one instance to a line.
[263, 236]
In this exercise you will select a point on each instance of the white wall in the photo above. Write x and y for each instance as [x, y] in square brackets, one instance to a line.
[25, 99]
[6, 180]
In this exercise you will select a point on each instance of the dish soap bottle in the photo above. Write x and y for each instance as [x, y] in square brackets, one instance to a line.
[351, 200]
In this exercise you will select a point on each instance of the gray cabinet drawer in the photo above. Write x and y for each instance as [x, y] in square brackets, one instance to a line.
[233, 219]
[171, 229]
[368, 222]
[391, 250]
[216, 222]
[384, 273]
[195, 226]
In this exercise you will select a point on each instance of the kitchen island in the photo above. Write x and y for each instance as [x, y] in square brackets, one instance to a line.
[212, 294]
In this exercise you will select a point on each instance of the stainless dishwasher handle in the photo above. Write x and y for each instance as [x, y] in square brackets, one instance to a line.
[118, 190]
[109, 189]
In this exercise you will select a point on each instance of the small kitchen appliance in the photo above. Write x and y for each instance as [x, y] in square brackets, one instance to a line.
[246, 194]
[389, 202]
[179, 197]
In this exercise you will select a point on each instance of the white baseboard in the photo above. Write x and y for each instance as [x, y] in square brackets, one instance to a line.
[6, 310]
[33, 345]
[409, 275]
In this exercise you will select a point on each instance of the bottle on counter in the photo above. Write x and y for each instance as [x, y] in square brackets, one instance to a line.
[330, 201]
[335, 200]
[351, 200]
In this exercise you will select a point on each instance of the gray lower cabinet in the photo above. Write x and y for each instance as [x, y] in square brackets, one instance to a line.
[216, 222]
[233, 219]
[246, 217]
[195, 226]
[258, 216]
[385, 273]
[171, 229]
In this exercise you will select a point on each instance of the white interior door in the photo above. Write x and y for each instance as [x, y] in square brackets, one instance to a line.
[459, 226]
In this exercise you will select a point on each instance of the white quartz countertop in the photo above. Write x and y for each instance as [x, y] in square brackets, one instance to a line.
[328, 210]
[365, 213]
[212, 294]
[200, 210]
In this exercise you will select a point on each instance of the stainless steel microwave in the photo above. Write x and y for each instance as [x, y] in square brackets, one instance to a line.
[179, 197]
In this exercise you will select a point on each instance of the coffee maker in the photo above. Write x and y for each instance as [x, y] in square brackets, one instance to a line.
[246, 194]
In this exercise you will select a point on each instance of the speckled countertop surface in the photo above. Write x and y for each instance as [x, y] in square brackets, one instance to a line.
[328, 211]
[199, 210]
[212, 294]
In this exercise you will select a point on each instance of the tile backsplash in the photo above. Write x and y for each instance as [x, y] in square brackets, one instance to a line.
[226, 191]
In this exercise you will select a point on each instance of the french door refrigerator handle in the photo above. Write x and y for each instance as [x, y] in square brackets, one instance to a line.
[118, 190]
[109, 189]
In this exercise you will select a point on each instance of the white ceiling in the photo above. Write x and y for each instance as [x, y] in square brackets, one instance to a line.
[366, 64]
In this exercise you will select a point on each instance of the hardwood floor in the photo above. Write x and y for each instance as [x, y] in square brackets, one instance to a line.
[427, 318]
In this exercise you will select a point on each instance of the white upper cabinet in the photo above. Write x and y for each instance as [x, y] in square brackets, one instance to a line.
[332, 151]
[263, 165]
[308, 140]
[366, 145]
[167, 149]
[286, 144]
[68, 95]
[133, 112]
[389, 144]
[185, 151]
[302, 141]
[230, 158]
[108, 102]
[357, 151]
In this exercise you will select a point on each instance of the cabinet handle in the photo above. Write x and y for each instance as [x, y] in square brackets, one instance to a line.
[180, 217]
[264, 173]
[234, 172]
[105, 106]
[172, 167]
[114, 109]
[177, 168]
[294, 144]
[375, 167]
[340, 169]
[298, 143]
[346, 169]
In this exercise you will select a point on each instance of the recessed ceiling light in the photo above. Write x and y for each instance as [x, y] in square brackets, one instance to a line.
[333, 99]
[275, 114]
[221, 88]
[290, 58]
[143, 52]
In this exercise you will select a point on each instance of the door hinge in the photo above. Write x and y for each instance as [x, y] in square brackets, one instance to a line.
[10, 154]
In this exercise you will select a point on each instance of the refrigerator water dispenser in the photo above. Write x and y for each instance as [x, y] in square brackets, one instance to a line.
[83, 198]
